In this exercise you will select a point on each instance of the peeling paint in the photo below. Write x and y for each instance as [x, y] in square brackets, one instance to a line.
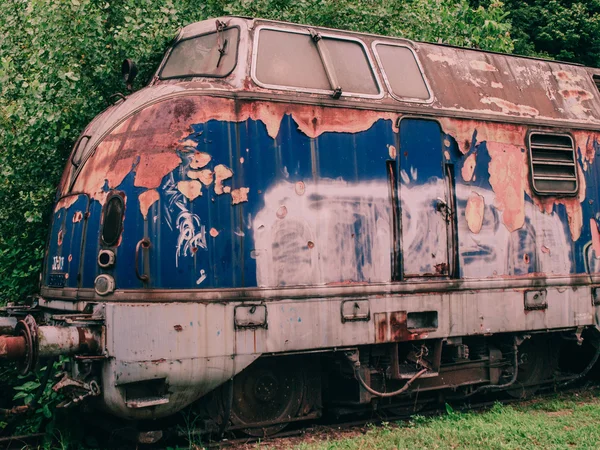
[239, 195]
[483, 66]
[191, 189]
[508, 176]
[509, 107]
[199, 160]
[213, 232]
[65, 202]
[77, 217]
[222, 173]
[300, 188]
[392, 151]
[205, 176]
[496, 85]
[147, 199]
[474, 212]
[469, 167]
[281, 212]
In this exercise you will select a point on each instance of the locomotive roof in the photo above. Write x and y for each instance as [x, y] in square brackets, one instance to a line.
[463, 82]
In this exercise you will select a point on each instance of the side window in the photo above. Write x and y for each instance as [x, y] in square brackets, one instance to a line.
[553, 164]
[79, 152]
[211, 55]
[293, 60]
[402, 72]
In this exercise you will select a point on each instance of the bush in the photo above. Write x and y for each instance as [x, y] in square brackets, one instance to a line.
[60, 61]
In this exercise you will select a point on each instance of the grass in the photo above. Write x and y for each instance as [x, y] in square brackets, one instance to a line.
[563, 422]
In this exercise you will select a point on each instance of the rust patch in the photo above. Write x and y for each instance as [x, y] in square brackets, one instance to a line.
[508, 177]
[510, 108]
[178, 328]
[300, 188]
[526, 258]
[199, 160]
[391, 327]
[213, 232]
[462, 131]
[586, 143]
[239, 195]
[60, 237]
[595, 237]
[147, 199]
[572, 205]
[205, 176]
[577, 94]
[392, 151]
[310, 244]
[77, 217]
[469, 167]
[148, 141]
[483, 66]
[65, 202]
[70, 258]
[281, 212]
[474, 212]
[222, 173]
[153, 167]
[191, 189]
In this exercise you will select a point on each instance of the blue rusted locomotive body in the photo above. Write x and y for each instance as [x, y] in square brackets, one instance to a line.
[285, 208]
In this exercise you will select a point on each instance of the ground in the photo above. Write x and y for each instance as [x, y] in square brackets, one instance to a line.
[563, 421]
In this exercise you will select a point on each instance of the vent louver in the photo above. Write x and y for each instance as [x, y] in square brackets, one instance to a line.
[553, 164]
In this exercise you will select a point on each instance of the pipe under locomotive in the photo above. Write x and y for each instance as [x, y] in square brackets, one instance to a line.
[289, 218]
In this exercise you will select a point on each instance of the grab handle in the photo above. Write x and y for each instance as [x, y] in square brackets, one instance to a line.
[144, 244]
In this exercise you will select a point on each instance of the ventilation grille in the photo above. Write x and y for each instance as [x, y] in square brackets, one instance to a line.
[553, 165]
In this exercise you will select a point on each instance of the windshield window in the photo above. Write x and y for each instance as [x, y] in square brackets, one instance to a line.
[211, 55]
[292, 60]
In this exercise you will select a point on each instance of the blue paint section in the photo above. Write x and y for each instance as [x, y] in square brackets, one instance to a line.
[319, 212]
[65, 245]
[423, 192]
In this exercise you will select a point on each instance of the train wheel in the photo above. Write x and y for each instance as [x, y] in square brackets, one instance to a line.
[266, 395]
[535, 362]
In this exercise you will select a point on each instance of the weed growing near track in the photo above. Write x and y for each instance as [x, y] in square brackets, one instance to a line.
[565, 421]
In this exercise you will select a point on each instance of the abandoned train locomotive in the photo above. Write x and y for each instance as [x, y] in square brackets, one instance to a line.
[289, 219]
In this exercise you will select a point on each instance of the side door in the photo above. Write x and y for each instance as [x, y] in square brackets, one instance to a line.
[425, 199]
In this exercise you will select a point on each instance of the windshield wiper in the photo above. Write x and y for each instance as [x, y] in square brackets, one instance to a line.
[222, 46]
[326, 60]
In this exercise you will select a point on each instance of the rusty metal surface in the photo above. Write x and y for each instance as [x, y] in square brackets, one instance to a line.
[12, 347]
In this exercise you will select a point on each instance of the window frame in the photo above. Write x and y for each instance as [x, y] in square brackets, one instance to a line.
[573, 193]
[385, 77]
[179, 41]
[306, 32]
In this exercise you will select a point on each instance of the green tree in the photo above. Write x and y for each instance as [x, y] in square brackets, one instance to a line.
[59, 66]
[562, 29]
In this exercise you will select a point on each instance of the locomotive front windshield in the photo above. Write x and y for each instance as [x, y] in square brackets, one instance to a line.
[211, 55]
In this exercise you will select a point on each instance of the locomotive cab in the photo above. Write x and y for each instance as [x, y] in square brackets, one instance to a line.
[289, 218]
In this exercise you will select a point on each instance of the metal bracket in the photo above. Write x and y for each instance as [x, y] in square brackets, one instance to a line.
[250, 316]
[355, 311]
[536, 300]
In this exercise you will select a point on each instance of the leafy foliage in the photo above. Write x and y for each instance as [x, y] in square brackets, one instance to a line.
[562, 29]
[59, 65]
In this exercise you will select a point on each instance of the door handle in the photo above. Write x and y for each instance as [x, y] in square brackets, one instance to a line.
[142, 245]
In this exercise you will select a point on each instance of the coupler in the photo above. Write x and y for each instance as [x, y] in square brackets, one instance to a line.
[28, 342]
